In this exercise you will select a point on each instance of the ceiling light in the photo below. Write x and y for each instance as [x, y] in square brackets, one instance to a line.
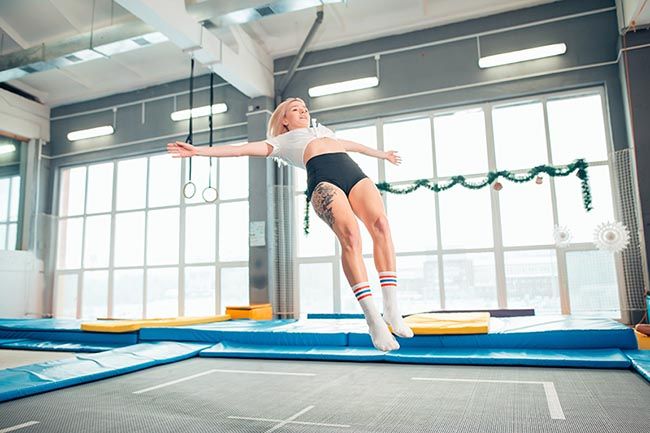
[522, 55]
[90, 133]
[199, 112]
[7, 148]
[343, 86]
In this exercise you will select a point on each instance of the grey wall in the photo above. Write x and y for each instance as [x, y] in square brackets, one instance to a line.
[636, 70]
[437, 68]
[142, 122]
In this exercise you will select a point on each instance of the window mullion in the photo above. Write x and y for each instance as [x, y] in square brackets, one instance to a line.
[497, 228]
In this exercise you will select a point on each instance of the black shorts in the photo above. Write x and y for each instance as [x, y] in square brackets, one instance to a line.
[336, 168]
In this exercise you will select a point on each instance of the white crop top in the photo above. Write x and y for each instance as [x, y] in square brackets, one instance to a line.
[289, 148]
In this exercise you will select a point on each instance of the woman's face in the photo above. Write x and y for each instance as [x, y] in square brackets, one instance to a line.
[297, 116]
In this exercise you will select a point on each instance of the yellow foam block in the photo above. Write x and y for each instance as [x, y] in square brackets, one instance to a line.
[448, 323]
[643, 340]
[253, 312]
[134, 325]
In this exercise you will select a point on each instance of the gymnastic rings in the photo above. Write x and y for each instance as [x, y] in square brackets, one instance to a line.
[189, 189]
[210, 194]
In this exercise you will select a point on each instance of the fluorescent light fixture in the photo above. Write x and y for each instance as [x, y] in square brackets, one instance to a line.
[522, 55]
[199, 112]
[7, 148]
[90, 133]
[343, 86]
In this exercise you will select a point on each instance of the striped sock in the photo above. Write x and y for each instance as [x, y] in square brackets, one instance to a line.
[392, 316]
[379, 333]
[362, 290]
[388, 279]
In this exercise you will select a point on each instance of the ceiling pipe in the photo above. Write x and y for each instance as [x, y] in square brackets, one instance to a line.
[249, 70]
[224, 13]
[298, 58]
[77, 49]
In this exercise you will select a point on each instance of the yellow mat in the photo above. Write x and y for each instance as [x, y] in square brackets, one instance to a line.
[643, 340]
[448, 323]
[134, 325]
[253, 312]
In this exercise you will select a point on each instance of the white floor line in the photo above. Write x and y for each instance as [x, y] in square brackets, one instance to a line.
[288, 420]
[18, 427]
[552, 399]
[280, 373]
[173, 382]
[248, 418]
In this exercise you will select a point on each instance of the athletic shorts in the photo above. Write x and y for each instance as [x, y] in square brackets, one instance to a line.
[336, 168]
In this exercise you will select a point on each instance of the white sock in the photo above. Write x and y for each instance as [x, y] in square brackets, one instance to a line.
[381, 337]
[392, 316]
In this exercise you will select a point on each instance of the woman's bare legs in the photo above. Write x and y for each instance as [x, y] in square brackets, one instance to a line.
[331, 204]
[366, 203]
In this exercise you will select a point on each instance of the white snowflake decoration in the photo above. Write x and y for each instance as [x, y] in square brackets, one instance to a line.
[562, 236]
[612, 237]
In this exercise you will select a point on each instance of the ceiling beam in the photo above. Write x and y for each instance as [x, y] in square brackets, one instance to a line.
[249, 70]
[61, 10]
[13, 34]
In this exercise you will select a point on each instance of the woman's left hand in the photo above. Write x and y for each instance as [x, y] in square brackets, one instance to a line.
[393, 157]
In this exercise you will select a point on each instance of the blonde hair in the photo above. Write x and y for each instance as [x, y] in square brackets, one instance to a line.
[276, 127]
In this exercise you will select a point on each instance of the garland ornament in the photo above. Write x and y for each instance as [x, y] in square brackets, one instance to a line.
[613, 237]
[579, 166]
[562, 236]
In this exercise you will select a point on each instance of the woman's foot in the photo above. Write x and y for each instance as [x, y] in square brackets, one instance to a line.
[397, 324]
[381, 337]
[388, 281]
[643, 328]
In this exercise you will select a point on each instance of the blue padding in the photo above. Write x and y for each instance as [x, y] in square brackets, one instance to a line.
[334, 316]
[270, 332]
[228, 349]
[4, 341]
[598, 358]
[536, 332]
[75, 336]
[67, 330]
[40, 324]
[58, 346]
[640, 362]
[36, 378]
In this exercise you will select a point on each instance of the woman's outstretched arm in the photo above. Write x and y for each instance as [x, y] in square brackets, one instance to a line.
[353, 146]
[180, 149]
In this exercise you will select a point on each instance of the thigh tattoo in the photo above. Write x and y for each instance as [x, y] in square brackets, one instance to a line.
[322, 199]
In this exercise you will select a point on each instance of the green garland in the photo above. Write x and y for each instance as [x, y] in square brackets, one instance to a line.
[579, 165]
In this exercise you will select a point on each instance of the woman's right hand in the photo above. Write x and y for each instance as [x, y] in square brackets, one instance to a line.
[181, 149]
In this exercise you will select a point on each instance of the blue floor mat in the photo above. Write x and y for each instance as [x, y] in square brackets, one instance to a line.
[36, 378]
[640, 362]
[599, 358]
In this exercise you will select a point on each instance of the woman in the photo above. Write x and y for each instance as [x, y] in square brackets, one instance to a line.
[338, 190]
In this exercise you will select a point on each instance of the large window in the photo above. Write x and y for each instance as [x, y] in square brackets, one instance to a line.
[9, 201]
[472, 249]
[131, 246]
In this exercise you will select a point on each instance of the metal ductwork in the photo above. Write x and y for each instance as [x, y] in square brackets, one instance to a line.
[223, 13]
[103, 42]
[175, 20]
